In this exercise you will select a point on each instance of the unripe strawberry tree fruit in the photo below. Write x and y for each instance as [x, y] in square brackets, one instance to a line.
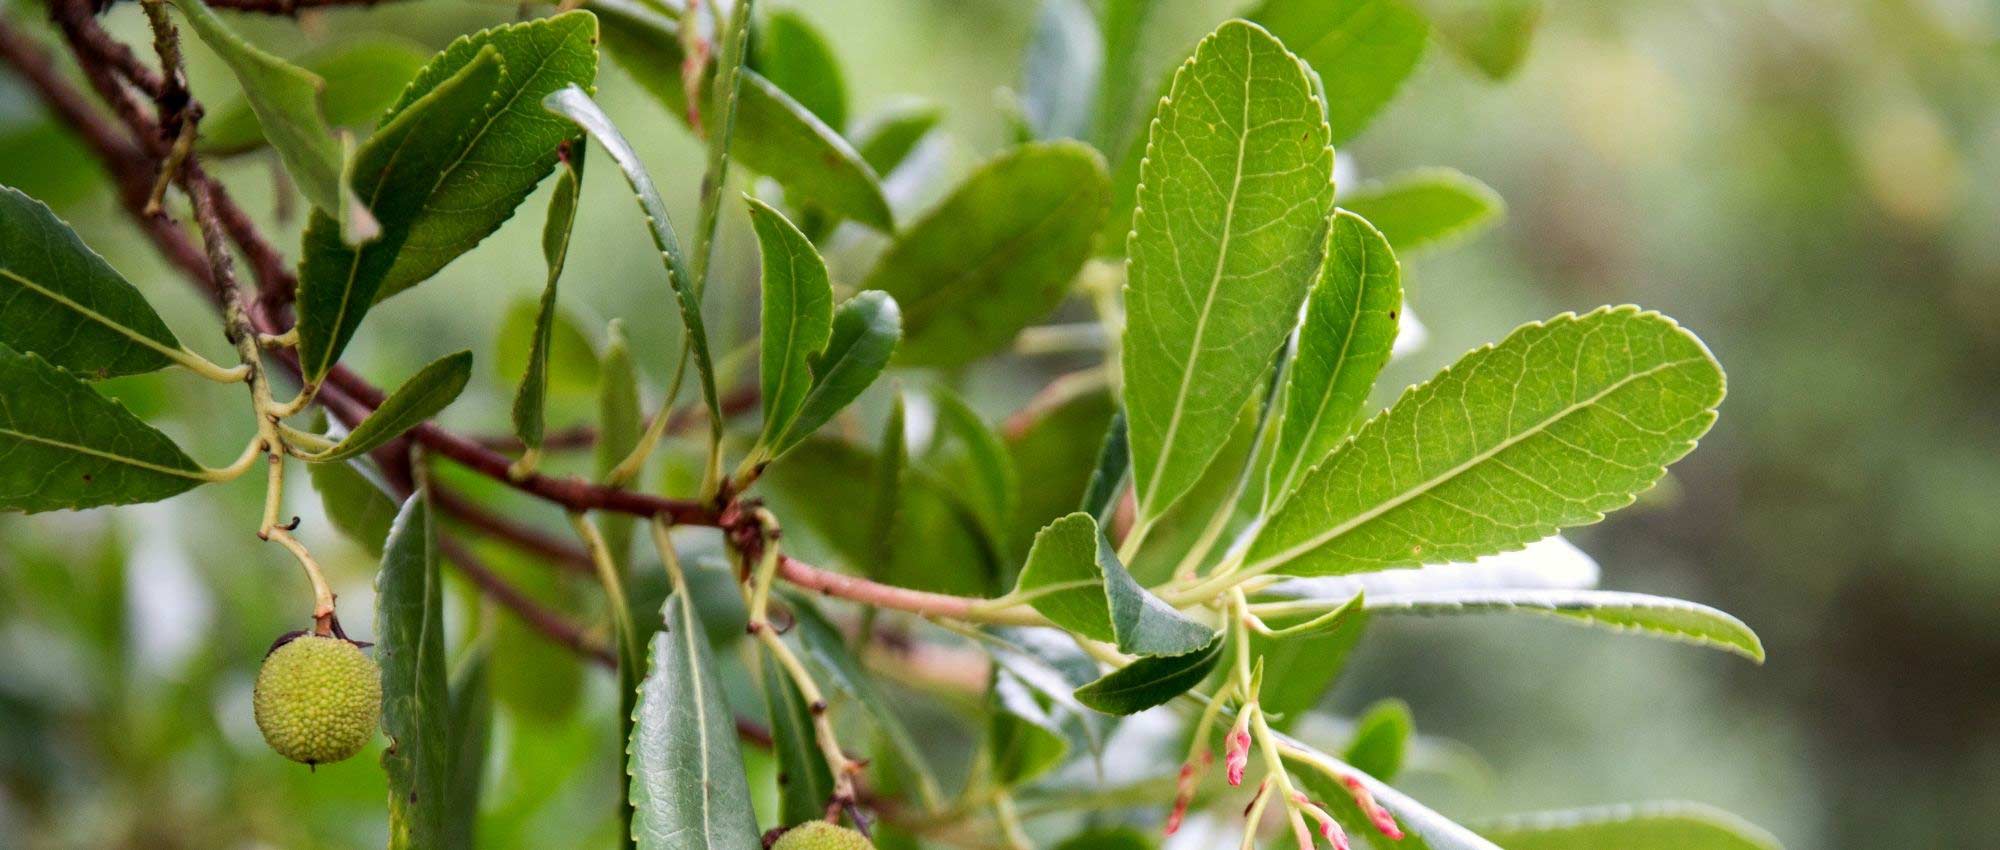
[821, 835]
[318, 699]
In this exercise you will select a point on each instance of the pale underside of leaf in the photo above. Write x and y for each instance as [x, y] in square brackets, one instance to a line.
[1674, 619]
[1644, 826]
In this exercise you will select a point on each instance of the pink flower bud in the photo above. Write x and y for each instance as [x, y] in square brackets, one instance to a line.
[1183, 795]
[1384, 822]
[1236, 753]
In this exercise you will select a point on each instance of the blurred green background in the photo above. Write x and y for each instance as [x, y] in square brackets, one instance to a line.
[1809, 185]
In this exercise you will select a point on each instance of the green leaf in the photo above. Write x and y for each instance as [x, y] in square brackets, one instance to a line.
[1381, 740]
[418, 399]
[64, 447]
[797, 310]
[1107, 478]
[471, 739]
[62, 301]
[1493, 35]
[996, 255]
[886, 138]
[572, 354]
[363, 77]
[1552, 563]
[1674, 619]
[892, 460]
[1150, 681]
[337, 283]
[1647, 826]
[416, 708]
[1109, 838]
[574, 104]
[1233, 200]
[1124, 33]
[965, 450]
[866, 329]
[688, 788]
[1425, 207]
[1349, 327]
[620, 421]
[1424, 828]
[795, 56]
[804, 783]
[356, 501]
[827, 651]
[774, 135]
[286, 100]
[1075, 580]
[1023, 739]
[1301, 666]
[1362, 49]
[1059, 76]
[531, 399]
[1550, 428]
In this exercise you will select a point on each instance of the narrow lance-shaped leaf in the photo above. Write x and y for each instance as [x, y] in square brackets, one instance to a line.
[996, 255]
[471, 739]
[1349, 328]
[980, 461]
[890, 464]
[60, 300]
[1425, 207]
[804, 783]
[64, 447]
[418, 399]
[795, 57]
[1549, 428]
[1114, 462]
[531, 399]
[797, 316]
[1150, 681]
[1233, 200]
[572, 103]
[1075, 580]
[338, 284]
[1673, 619]
[688, 788]
[416, 709]
[866, 329]
[1646, 826]
[1362, 49]
[286, 100]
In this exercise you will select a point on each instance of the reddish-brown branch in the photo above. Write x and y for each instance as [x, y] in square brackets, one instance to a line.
[561, 553]
[288, 7]
[551, 624]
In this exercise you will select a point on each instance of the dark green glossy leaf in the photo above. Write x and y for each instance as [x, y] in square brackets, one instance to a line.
[1647, 826]
[866, 330]
[1108, 477]
[1150, 681]
[795, 57]
[356, 501]
[418, 399]
[774, 135]
[1230, 229]
[1673, 619]
[1363, 50]
[688, 787]
[471, 739]
[338, 284]
[1381, 740]
[1059, 76]
[60, 300]
[64, 447]
[416, 708]
[531, 399]
[1075, 580]
[1549, 428]
[363, 77]
[804, 783]
[797, 310]
[1349, 328]
[1492, 35]
[996, 255]
[1427, 206]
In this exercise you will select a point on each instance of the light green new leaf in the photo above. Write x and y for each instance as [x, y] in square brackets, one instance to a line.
[1150, 681]
[356, 501]
[363, 77]
[795, 56]
[418, 399]
[572, 103]
[286, 100]
[804, 783]
[64, 447]
[1349, 328]
[1427, 206]
[774, 135]
[1674, 619]
[1233, 200]
[1363, 50]
[688, 787]
[1549, 428]
[827, 650]
[416, 707]
[60, 300]
[1381, 740]
[996, 255]
[797, 308]
[1493, 35]
[338, 284]
[471, 739]
[531, 399]
[866, 329]
[1647, 826]
[1075, 580]
[1059, 75]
